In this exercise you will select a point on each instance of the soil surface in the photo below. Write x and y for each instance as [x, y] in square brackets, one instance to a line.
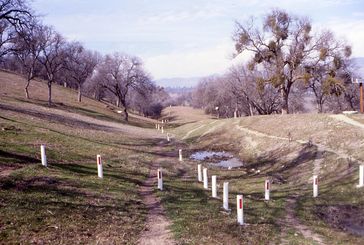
[157, 225]
[344, 217]
[291, 221]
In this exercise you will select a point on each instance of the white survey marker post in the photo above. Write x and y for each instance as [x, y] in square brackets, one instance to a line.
[239, 208]
[226, 196]
[162, 130]
[267, 189]
[43, 155]
[213, 186]
[168, 139]
[199, 172]
[315, 186]
[205, 180]
[158, 127]
[180, 155]
[100, 173]
[160, 179]
[361, 176]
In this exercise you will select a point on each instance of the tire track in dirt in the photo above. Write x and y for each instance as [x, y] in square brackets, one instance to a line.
[157, 230]
[290, 220]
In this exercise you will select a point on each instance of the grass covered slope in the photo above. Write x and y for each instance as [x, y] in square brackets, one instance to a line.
[67, 203]
[289, 150]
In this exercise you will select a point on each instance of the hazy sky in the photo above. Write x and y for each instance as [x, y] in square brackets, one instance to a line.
[186, 38]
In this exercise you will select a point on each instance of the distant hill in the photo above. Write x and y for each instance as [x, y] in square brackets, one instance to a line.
[178, 82]
[359, 63]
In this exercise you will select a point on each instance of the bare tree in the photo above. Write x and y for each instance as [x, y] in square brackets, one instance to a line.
[15, 12]
[52, 53]
[284, 43]
[249, 87]
[80, 64]
[14, 16]
[27, 50]
[324, 72]
[121, 73]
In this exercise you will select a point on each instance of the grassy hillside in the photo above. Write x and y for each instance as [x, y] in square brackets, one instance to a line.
[288, 150]
[66, 203]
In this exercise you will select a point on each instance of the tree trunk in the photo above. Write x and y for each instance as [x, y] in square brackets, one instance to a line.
[79, 92]
[26, 89]
[49, 93]
[284, 102]
[126, 114]
[319, 107]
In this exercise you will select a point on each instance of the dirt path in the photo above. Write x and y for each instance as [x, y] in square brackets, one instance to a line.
[345, 119]
[291, 221]
[157, 227]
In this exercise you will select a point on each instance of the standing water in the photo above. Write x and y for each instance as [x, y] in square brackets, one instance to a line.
[218, 159]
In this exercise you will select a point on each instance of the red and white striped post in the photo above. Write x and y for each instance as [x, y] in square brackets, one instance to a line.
[267, 189]
[43, 155]
[240, 207]
[160, 179]
[226, 196]
[213, 186]
[361, 176]
[180, 155]
[199, 172]
[205, 179]
[99, 166]
[315, 186]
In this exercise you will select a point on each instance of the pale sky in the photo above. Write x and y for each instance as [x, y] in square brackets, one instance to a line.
[186, 38]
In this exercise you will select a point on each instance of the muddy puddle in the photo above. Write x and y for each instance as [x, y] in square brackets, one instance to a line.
[220, 159]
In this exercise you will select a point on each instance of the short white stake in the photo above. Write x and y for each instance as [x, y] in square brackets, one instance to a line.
[199, 172]
[43, 155]
[361, 176]
[168, 139]
[100, 173]
[213, 186]
[180, 155]
[158, 127]
[239, 208]
[162, 130]
[315, 186]
[226, 196]
[160, 179]
[267, 189]
[205, 179]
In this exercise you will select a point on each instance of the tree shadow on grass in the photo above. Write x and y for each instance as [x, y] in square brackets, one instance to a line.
[17, 158]
[86, 170]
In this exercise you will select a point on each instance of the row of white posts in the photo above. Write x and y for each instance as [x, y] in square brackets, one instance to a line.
[161, 128]
[203, 177]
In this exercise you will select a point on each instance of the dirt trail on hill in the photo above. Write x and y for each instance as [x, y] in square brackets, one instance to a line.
[290, 220]
[348, 120]
[157, 227]
[319, 146]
